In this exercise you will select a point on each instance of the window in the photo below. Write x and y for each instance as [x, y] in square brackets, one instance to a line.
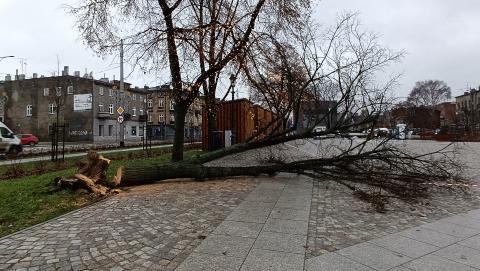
[100, 130]
[161, 118]
[140, 131]
[58, 91]
[149, 118]
[100, 91]
[134, 96]
[134, 130]
[29, 110]
[5, 132]
[46, 91]
[110, 130]
[70, 90]
[110, 109]
[134, 111]
[172, 105]
[110, 92]
[141, 112]
[172, 118]
[100, 107]
[150, 103]
[161, 102]
[52, 109]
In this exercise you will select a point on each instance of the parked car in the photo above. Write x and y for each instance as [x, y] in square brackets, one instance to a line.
[9, 143]
[29, 139]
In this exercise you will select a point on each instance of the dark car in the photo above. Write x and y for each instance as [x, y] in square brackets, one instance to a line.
[29, 139]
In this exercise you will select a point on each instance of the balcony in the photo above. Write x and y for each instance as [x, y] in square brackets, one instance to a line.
[103, 115]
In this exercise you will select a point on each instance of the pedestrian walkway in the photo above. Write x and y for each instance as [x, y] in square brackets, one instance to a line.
[451, 243]
[268, 231]
[241, 224]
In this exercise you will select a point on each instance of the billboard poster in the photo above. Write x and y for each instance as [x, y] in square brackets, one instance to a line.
[82, 102]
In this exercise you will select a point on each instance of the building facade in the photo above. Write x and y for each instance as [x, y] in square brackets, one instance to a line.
[468, 109]
[87, 107]
[161, 115]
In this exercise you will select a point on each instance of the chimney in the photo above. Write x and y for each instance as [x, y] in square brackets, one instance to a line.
[16, 74]
[76, 73]
[21, 77]
[42, 76]
[35, 75]
[65, 71]
[8, 77]
[104, 79]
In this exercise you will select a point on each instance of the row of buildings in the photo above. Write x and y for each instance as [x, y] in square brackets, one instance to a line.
[462, 114]
[90, 108]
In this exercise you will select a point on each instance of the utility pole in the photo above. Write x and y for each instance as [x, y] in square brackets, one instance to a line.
[122, 95]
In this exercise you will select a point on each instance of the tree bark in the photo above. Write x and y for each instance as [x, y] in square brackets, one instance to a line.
[180, 113]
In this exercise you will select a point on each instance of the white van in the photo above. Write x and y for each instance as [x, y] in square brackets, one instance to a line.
[9, 143]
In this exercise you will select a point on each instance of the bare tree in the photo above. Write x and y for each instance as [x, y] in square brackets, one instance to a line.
[344, 68]
[191, 39]
[429, 93]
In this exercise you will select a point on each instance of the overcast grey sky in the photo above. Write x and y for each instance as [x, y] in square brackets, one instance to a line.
[441, 38]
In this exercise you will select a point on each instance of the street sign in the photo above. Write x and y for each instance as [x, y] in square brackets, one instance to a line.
[120, 110]
[120, 119]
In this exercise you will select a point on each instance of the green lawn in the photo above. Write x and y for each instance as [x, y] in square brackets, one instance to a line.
[33, 199]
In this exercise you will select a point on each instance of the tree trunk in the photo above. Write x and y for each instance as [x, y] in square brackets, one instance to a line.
[180, 113]
[150, 174]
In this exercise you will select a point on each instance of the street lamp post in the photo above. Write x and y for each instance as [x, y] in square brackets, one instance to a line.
[232, 84]
[3, 57]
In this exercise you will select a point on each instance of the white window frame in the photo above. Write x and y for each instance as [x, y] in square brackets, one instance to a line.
[150, 118]
[161, 118]
[46, 91]
[100, 107]
[52, 109]
[110, 109]
[100, 91]
[150, 103]
[134, 111]
[70, 90]
[29, 110]
[172, 105]
[110, 92]
[58, 91]
[161, 102]
[134, 96]
[141, 112]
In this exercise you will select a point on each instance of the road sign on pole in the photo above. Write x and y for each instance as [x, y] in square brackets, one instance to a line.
[120, 119]
[120, 110]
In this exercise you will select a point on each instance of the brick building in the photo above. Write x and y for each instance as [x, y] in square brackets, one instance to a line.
[468, 109]
[161, 115]
[87, 107]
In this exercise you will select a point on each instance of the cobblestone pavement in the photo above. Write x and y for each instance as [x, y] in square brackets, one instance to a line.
[284, 221]
[151, 227]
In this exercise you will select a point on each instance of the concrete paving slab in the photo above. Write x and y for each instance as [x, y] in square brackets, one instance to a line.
[286, 226]
[298, 205]
[461, 254]
[404, 245]
[400, 268]
[452, 229]
[374, 256]
[290, 243]
[463, 220]
[436, 263]
[334, 262]
[266, 260]
[255, 205]
[263, 196]
[206, 262]
[226, 245]
[249, 215]
[472, 242]
[290, 214]
[430, 236]
[240, 229]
